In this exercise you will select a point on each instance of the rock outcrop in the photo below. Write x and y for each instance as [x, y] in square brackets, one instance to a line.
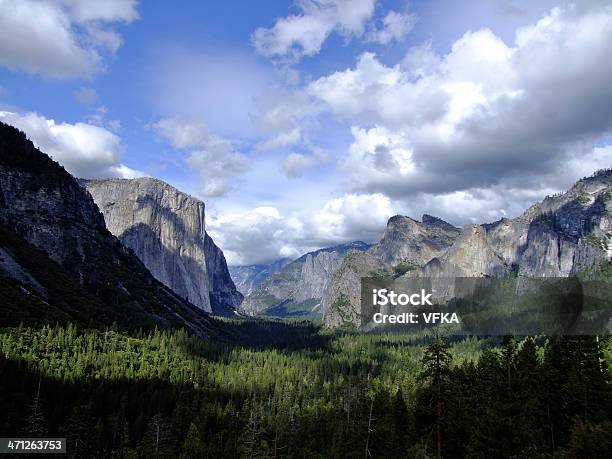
[297, 289]
[409, 241]
[248, 277]
[166, 229]
[342, 298]
[558, 237]
[58, 261]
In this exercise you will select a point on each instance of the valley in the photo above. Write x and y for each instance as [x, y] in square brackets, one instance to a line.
[134, 341]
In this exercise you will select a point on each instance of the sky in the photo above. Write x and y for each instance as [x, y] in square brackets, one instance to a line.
[304, 124]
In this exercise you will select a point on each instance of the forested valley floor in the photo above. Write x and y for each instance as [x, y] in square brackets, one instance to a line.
[294, 390]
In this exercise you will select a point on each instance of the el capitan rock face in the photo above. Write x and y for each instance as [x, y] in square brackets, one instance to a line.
[166, 230]
[558, 237]
[59, 258]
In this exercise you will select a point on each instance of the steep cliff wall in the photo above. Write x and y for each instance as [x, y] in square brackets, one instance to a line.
[297, 289]
[558, 237]
[166, 229]
[58, 261]
[249, 277]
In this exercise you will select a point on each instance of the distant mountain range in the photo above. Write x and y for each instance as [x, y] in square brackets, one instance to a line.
[157, 266]
[296, 289]
[558, 237]
[248, 277]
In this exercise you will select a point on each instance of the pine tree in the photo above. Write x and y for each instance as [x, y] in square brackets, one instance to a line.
[437, 364]
[193, 446]
[156, 440]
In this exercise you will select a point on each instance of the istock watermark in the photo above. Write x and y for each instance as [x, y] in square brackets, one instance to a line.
[488, 306]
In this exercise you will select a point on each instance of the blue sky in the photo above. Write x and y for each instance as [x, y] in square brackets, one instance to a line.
[309, 123]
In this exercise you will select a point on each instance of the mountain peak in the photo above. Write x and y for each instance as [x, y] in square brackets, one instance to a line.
[430, 220]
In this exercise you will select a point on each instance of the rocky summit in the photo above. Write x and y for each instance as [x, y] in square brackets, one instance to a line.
[166, 230]
[561, 236]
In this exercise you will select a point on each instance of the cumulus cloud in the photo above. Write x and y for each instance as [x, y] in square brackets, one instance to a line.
[281, 140]
[283, 111]
[303, 34]
[484, 116]
[184, 133]
[373, 93]
[352, 217]
[395, 27]
[213, 159]
[259, 235]
[288, 117]
[264, 234]
[62, 38]
[295, 164]
[217, 169]
[284, 116]
[85, 150]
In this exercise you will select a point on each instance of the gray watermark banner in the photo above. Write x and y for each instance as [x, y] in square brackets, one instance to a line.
[488, 306]
[32, 446]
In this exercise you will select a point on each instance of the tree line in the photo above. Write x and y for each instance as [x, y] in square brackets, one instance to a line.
[337, 394]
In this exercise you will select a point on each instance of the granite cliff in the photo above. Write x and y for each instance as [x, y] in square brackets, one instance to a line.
[405, 245]
[297, 288]
[248, 277]
[412, 242]
[166, 230]
[58, 261]
[563, 235]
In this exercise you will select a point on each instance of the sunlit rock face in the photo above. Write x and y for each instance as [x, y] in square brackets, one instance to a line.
[297, 289]
[166, 229]
[558, 237]
[56, 251]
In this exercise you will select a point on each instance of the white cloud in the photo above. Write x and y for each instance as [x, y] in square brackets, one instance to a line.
[378, 158]
[282, 140]
[213, 160]
[63, 38]
[283, 111]
[258, 235]
[295, 164]
[395, 27]
[303, 34]
[373, 93]
[122, 171]
[85, 150]
[485, 117]
[184, 133]
[264, 234]
[286, 116]
[353, 217]
[217, 169]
